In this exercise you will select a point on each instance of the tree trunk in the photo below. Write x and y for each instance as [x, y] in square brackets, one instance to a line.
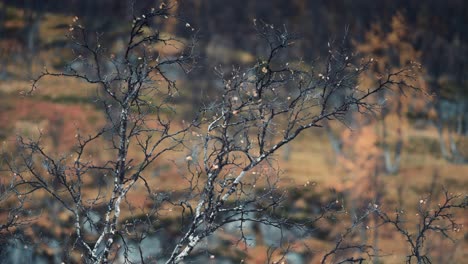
[378, 195]
[33, 22]
[440, 131]
[334, 141]
[392, 166]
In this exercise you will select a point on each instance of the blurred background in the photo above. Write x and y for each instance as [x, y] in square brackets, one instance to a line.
[416, 144]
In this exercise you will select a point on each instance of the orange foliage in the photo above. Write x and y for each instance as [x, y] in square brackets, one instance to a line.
[360, 160]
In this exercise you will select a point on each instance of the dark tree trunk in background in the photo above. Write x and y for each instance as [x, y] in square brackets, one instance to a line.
[2, 17]
[33, 16]
[439, 122]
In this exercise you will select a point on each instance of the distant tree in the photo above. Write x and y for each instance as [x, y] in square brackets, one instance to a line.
[392, 50]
